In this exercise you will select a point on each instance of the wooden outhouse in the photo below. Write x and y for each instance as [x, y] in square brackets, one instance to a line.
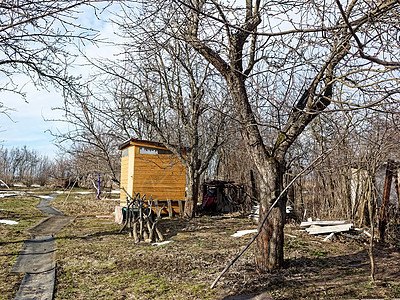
[149, 168]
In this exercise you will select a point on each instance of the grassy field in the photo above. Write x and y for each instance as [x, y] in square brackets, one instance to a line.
[95, 261]
[21, 209]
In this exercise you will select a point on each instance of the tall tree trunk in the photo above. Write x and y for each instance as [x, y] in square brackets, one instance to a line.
[270, 242]
[192, 191]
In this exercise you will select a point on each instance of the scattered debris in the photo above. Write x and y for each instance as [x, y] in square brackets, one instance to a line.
[161, 243]
[322, 223]
[329, 236]
[316, 242]
[314, 229]
[290, 213]
[254, 213]
[333, 228]
[290, 235]
[224, 196]
[7, 195]
[362, 231]
[46, 197]
[8, 222]
[243, 232]
[326, 227]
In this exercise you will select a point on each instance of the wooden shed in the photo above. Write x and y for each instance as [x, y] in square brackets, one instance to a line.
[149, 168]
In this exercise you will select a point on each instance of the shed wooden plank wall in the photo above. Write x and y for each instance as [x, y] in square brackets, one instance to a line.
[124, 174]
[160, 175]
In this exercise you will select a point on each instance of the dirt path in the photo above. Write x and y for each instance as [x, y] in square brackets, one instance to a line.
[37, 255]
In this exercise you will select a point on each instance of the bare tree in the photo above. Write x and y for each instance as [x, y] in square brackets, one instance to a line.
[91, 139]
[281, 62]
[34, 41]
[168, 95]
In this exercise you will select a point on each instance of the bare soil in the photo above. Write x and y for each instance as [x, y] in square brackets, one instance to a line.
[95, 261]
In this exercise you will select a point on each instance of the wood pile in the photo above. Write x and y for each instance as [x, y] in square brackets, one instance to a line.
[141, 221]
[326, 227]
[334, 228]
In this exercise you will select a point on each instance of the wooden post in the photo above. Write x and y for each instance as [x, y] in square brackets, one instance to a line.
[170, 212]
[156, 205]
[180, 208]
[135, 235]
[385, 200]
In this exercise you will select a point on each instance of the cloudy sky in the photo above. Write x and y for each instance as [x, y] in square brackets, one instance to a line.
[26, 124]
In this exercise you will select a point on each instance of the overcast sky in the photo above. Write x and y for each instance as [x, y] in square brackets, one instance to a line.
[26, 124]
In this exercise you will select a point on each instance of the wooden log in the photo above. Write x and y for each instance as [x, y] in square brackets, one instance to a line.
[156, 205]
[170, 211]
[160, 236]
[180, 208]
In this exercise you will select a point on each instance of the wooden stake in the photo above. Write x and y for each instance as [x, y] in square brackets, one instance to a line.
[170, 212]
[135, 235]
[180, 208]
[156, 205]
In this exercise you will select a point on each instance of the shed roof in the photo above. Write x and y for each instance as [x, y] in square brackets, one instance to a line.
[132, 142]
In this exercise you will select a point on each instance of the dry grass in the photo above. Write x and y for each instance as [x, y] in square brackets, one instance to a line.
[94, 261]
[21, 209]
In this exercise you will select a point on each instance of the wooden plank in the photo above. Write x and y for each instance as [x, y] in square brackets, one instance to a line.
[328, 229]
[160, 193]
[145, 184]
[170, 211]
[322, 223]
[158, 189]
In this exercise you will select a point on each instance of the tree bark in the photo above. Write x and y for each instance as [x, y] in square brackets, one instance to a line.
[270, 241]
[269, 255]
[192, 191]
